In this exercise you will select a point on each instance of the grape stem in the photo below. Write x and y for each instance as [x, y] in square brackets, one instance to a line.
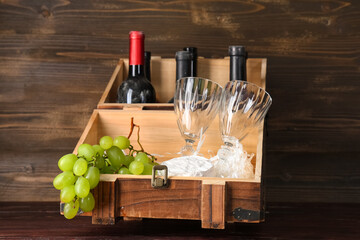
[131, 148]
[107, 161]
[132, 126]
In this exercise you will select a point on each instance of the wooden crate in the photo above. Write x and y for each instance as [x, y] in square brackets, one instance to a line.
[163, 79]
[211, 200]
[214, 201]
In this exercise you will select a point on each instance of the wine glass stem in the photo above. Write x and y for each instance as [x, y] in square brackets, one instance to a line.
[188, 149]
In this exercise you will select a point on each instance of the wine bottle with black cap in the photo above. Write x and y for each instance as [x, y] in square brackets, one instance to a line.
[238, 57]
[136, 88]
[183, 66]
[193, 51]
[147, 65]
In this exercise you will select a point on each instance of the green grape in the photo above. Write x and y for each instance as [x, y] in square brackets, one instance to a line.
[80, 167]
[67, 193]
[142, 157]
[98, 149]
[71, 209]
[67, 161]
[100, 162]
[124, 170]
[106, 142]
[116, 156]
[87, 203]
[122, 142]
[93, 176]
[63, 179]
[128, 160]
[147, 169]
[87, 151]
[136, 167]
[82, 187]
[108, 170]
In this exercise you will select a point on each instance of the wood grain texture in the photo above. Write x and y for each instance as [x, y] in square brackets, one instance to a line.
[246, 196]
[307, 221]
[213, 201]
[181, 200]
[213, 205]
[56, 58]
[105, 200]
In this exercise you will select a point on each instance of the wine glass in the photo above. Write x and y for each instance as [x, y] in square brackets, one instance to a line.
[243, 106]
[196, 103]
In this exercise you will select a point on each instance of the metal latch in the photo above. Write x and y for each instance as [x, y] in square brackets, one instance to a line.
[242, 214]
[158, 181]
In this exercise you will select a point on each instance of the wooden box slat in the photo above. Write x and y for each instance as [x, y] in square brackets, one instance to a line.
[105, 199]
[213, 205]
[163, 79]
[181, 200]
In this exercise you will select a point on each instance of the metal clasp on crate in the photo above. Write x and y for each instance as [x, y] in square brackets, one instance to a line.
[159, 182]
[242, 214]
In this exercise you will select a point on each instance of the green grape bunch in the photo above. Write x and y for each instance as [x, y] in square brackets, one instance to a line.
[120, 157]
[81, 172]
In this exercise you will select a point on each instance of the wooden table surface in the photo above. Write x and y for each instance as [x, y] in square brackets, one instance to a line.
[41, 220]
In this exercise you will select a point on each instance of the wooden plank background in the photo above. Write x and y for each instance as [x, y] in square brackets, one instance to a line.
[57, 56]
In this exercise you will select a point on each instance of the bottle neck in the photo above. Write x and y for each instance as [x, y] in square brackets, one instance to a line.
[136, 71]
[193, 51]
[183, 64]
[147, 66]
[183, 69]
[237, 68]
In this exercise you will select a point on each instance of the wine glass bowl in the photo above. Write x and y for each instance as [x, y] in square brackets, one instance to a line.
[196, 103]
[243, 106]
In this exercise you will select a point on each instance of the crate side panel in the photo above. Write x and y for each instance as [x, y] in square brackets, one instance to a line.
[213, 206]
[105, 198]
[256, 71]
[218, 70]
[159, 133]
[163, 75]
[90, 133]
[118, 78]
[163, 78]
[181, 200]
[244, 196]
[214, 69]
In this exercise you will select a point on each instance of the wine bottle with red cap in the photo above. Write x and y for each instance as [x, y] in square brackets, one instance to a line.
[136, 88]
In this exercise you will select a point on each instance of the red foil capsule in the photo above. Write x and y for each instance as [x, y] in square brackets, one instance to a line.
[136, 48]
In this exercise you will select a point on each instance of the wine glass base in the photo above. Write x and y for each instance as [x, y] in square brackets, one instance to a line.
[233, 162]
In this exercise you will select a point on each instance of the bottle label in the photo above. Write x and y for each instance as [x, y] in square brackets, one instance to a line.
[136, 48]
